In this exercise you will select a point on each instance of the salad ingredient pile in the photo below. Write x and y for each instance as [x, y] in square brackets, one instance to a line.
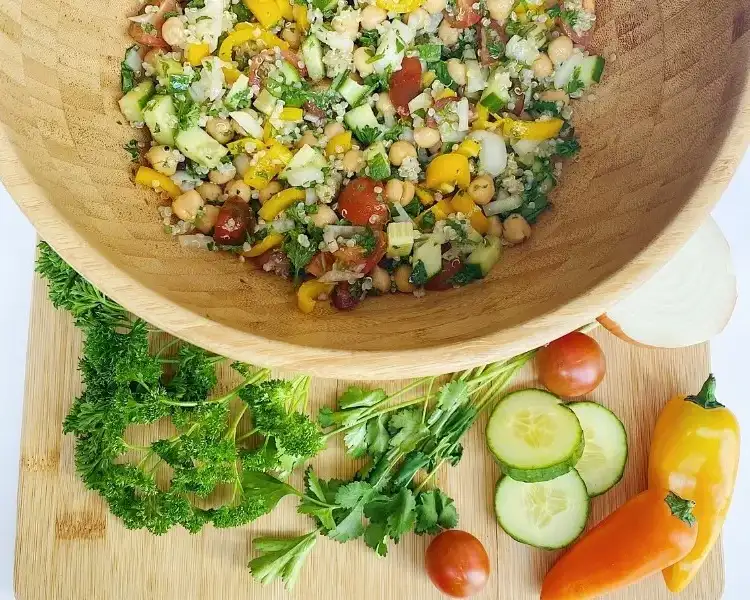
[357, 148]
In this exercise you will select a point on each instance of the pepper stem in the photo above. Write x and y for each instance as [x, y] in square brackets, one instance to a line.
[706, 398]
[681, 508]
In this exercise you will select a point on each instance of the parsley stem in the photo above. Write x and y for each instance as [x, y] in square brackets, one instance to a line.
[166, 347]
[249, 380]
[375, 413]
[136, 447]
[248, 434]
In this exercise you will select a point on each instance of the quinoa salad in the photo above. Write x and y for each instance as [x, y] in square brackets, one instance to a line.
[360, 147]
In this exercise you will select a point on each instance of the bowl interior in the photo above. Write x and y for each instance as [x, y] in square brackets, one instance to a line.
[660, 138]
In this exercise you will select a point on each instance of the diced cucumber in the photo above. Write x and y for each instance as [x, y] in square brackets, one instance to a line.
[312, 55]
[305, 157]
[497, 93]
[400, 239]
[289, 72]
[354, 93]
[534, 436]
[378, 165]
[592, 68]
[487, 254]
[564, 72]
[605, 449]
[161, 118]
[324, 5]
[166, 67]
[197, 145]
[549, 514]
[431, 257]
[265, 102]
[133, 103]
[237, 96]
[360, 119]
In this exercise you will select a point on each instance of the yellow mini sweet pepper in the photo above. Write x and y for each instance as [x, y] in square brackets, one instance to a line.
[310, 292]
[531, 130]
[293, 115]
[400, 6]
[272, 240]
[268, 12]
[246, 32]
[339, 143]
[469, 148]
[425, 196]
[482, 118]
[447, 171]
[157, 181]
[695, 453]
[286, 9]
[270, 163]
[245, 144]
[278, 203]
[462, 203]
[195, 53]
[299, 13]
[440, 210]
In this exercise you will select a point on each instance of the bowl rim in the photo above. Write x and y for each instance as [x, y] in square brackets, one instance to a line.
[363, 364]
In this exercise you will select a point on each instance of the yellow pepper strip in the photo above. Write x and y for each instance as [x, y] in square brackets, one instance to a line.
[428, 77]
[462, 203]
[293, 115]
[440, 210]
[278, 203]
[156, 181]
[483, 115]
[270, 163]
[286, 9]
[532, 130]
[299, 14]
[269, 133]
[246, 32]
[446, 93]
[310, 292]
[268, 12]
[231, 74]
[400, 6]
[195, 53]
[272, 240]
[425, 196]
[695, 451]
[339, 143]
[469, 148]
[245, 144]
[447, 171]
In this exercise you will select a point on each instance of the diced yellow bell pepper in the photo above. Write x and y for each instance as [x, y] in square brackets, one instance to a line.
[469, 148]
[269, 165]
[286, 9]
[446, 93]
[292, 114]
[157, 181]
[299, 14]
[231, 74]
[195, 53]
[441, 210]
[532, 130]
[269, 133]
[425, 196]
[272, 240]
[428, 77]
[447, 171]
[339, 143]
[462, 203]
[268, 12]
[400, 6]
[246, 32]
[483, 115]
[244, 144]
[278, 203]
[310, 292]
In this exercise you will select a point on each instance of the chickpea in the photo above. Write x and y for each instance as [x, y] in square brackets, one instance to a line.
[560, 49]
[353, 161]
[457, 70]
[207, 218]
[495, 226]
[372, 16]
[362, 62]
[163, 159]
[542, 66]
[222, 176]
[290, 34]
[173, 32]
[434, 6]
[220, 129]
[516, 229]
[400, 151]
[500, 9]
[242, 164]
[384, 104]
[332, 129]
[210, 192]
[381, 279]
[401, 192]
[447, 34]
[239, 188]
[271, 189]
[482, 189]
[401, 277]
[308, 138]
[324, 216]
[418, 19]
[426, 137]
[554, 96]
[347, 22]
[187, 205]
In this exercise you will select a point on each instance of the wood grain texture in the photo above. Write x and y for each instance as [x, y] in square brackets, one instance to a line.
[69, 547]
[660, 142]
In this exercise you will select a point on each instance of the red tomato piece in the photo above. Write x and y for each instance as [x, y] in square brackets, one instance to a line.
[583, 39]
[151, 34]
[320, 263]
[360, 204]
[491, 38]
[355, 258]
[464, 14]
[343, 298]
[406, 84]
[442, 281]
[457, 563]
[274, 261]
[235, 218]
[572, 365]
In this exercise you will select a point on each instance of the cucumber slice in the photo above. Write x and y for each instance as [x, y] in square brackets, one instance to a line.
[487, 254]
[548, 514]
[378, 165]
[592, 68]
[605, 450]
[161, 119]
[431, 256]
[312, 55]
[132, 103]
[197, 145]
[534, 436]
[400, 239]
[354, 93]
[265, 102]
[497, 93]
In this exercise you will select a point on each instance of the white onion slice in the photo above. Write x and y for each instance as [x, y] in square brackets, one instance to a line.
[336, 275]
[281, 225]
[197, 241]
[504, 203]
[493, 157]
[402, 216]
[249, 123]
[462, 109]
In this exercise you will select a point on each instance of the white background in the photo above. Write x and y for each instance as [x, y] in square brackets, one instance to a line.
[730, 355]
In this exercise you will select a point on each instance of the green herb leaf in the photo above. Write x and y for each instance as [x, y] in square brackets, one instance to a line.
[568, 148]
[430, 52]
[575, 84]
[419, 272]
[281, 558]
[133, 149]
[469, 272]
[435, 512]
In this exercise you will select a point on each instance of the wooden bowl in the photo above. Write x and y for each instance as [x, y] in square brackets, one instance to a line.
[660, 141]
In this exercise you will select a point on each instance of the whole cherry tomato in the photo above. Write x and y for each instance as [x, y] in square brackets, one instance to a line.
[406, 84]
[457, 563]
[149, 33]
[464, 15]
[572, 365]
[360, 204]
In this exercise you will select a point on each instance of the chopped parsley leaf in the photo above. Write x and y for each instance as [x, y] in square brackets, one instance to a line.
[568, 148]
[188, 112]
[179, 84]
[430, 52]
[518, 28]
[366, 241]
[367, 134]
[418, 274]
[428, 221]
[196, 4]
[575, 84]
[544, 107]
[127, 77]
[133, 149]
[369, 39]
[469, 272]
[441, 71]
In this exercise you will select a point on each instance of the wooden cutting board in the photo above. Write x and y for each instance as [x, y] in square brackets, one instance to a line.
[69, 547]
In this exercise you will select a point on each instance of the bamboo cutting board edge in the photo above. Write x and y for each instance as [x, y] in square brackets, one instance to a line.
[68, 546]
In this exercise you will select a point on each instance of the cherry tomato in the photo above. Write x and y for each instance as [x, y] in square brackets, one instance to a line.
[572, 365]
[464, 15]
[151, 35]
[320, 263]
[457, 563]
[442, 281]
[492, 37]
[583, 39]
[235, 218]
[360, 204]
[274, 261]
[343, 298]
[356, 259]
[406, 84]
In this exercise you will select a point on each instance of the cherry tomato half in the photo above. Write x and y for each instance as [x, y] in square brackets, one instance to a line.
[406, 84]
[464, 15]
[457, 563]
[572, 365]
[355, 256]
[151, 34]
[360, 204]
